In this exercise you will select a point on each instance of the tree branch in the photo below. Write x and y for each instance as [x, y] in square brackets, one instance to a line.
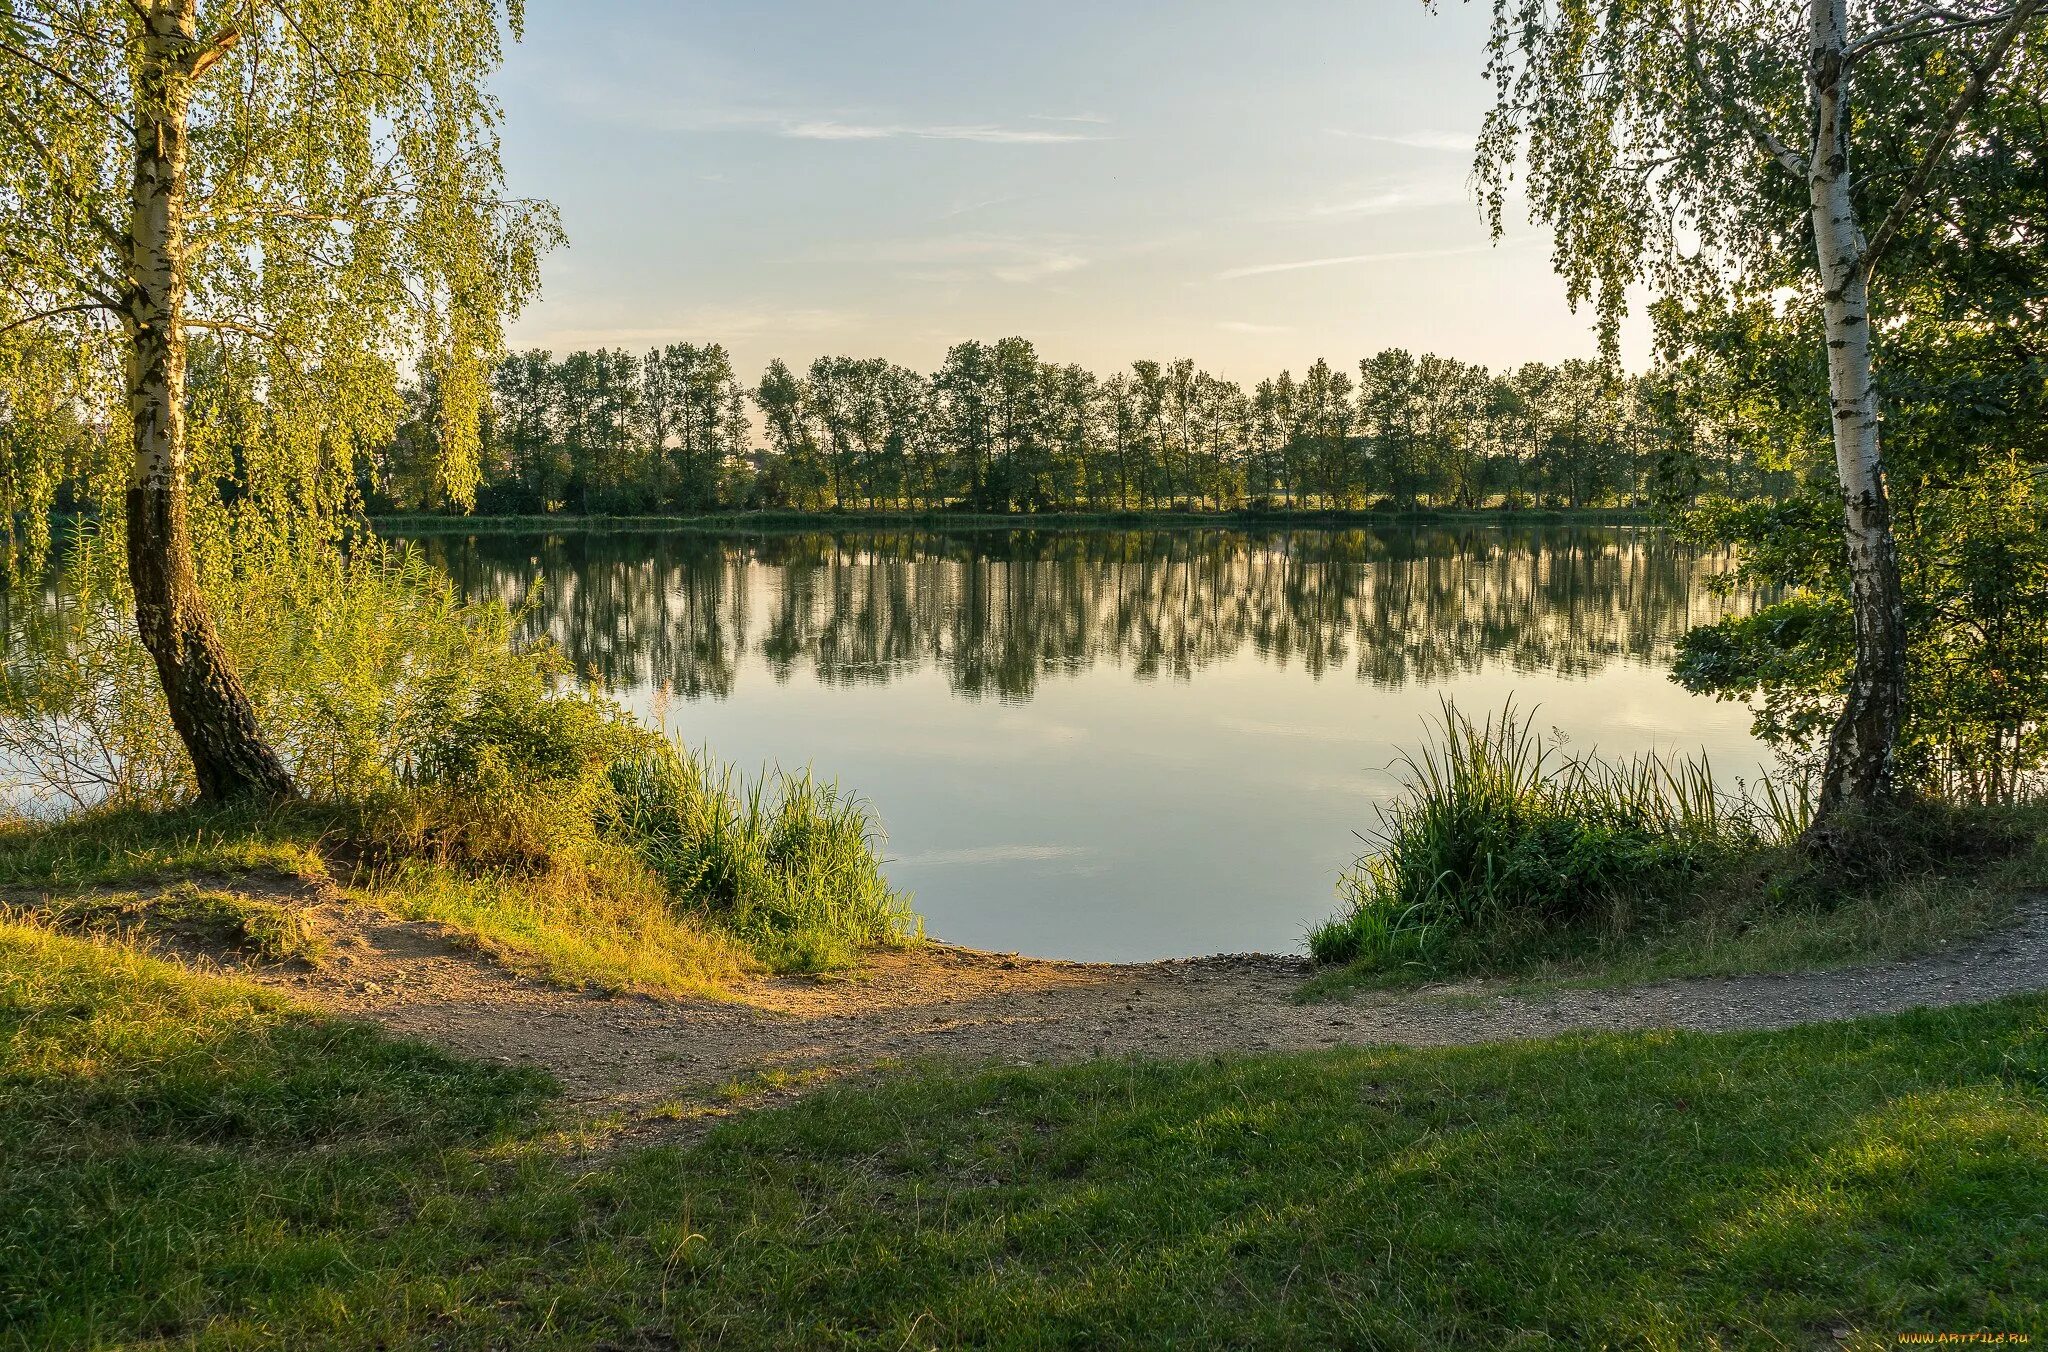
[91, 94]
[1951, 123]
[284, 12]
[98, 222]
[229, 326]
[50, 314]
[94, 282]
[89, 34]
[1788, 159]
[214, 49]
[1927, 23]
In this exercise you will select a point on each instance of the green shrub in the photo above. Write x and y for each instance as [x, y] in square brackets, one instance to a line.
[1498, 837]
[1973, 551]
[355, 653]
[516, 779]
[520, 735]
[566, 787]
[442, 742]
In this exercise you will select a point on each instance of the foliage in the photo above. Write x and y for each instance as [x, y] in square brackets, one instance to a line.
[353, 654]
[185, 1160]
[528, 781]
[514, 779]
[1501, 841]
[348, 222]
[1658, 135]
[1974, 546]
[997, 429]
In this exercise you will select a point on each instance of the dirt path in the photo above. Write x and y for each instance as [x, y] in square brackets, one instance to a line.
[634, 1054]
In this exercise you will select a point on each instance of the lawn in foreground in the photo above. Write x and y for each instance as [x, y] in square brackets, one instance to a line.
[183, 1158]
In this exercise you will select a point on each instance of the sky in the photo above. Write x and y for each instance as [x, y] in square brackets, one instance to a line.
[1252, 185]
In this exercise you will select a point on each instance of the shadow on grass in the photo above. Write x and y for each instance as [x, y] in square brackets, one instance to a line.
[187, 1160]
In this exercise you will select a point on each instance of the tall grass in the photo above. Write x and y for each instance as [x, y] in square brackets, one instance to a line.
[1500, 837]
[786, 863]
[527, 781]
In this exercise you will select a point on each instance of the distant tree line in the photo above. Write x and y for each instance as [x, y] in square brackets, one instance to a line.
[998, 429]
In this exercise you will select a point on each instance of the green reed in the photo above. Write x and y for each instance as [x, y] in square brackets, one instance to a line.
[785, 862]
[1500, 835]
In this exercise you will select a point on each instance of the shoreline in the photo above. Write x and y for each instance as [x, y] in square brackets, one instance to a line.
[629, 1050]
[427, 523]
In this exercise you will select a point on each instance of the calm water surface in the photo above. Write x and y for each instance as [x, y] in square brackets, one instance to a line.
[1122, 746]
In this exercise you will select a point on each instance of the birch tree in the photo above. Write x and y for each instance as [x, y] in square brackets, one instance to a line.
[1691, 146]
[315, 184]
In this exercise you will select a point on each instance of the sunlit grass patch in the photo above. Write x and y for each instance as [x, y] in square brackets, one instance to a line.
[753, 1090]
[272, 930]
[188, 1160]
[164, 1133]
[1744, 925]
[786, 863]
[609, 927]
[114, 846]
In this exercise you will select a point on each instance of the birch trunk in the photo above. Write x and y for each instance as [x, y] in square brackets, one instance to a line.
[1861, 752]
[208, 706]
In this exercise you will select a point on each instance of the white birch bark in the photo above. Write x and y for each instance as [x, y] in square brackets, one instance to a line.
[1862, 751]
[205, 698]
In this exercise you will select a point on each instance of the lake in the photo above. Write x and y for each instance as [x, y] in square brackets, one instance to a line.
[1111, 745]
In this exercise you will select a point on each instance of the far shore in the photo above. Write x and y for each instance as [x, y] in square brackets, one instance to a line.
[434, 523]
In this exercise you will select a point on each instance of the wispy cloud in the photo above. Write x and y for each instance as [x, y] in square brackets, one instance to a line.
[1088, 119]
[980, 204]
[1039, 269]
[1242, 326]
[1390, 200]
[1346, 260]
[828, 130]
[1450, 141]
[730, 109]
[1019, 259]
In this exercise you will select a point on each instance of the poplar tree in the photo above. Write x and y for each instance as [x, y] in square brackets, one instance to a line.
[316, 187]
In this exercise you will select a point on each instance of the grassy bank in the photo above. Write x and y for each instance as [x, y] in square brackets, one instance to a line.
[1508, 855]
[186, 1161]
[678, 882]
[420, 524]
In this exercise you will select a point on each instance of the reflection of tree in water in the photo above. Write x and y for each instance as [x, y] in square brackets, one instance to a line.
[998, 611]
